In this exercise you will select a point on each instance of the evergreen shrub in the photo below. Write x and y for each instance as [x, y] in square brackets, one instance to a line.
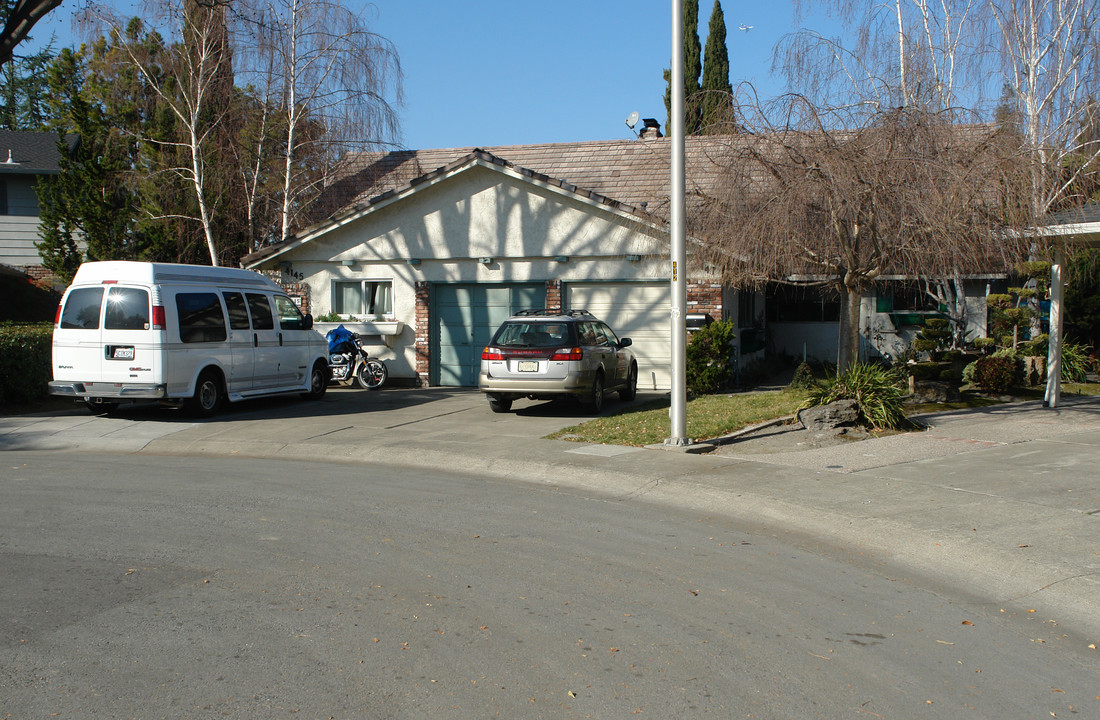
[710, 358]
[25, 362]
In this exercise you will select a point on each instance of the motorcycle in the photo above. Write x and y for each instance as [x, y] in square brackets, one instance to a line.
[348, 360]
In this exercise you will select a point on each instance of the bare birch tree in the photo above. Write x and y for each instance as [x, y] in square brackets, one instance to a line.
[903, 192]
[1050, 54]
[330, 80]
[185, 77]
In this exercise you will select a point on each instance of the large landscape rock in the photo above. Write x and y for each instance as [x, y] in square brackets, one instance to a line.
[825, 418]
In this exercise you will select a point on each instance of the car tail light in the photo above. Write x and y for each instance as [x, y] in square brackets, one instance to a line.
[158, 317]
[567, 354]
[57, 315]
[491, 353]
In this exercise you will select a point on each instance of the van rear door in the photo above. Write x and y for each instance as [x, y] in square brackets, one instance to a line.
[77, 350]
[130, 353]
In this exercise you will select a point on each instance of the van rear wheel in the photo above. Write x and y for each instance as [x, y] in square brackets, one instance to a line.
[208, 396]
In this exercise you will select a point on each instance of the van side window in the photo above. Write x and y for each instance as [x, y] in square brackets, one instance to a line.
[127, 309]
[81, 311]
[201, 317]
[261, 312]
[290, 317]
[238, 311]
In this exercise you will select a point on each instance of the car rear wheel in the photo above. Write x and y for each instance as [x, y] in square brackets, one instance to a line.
[629, 392]
[596, 397]
[500, 405]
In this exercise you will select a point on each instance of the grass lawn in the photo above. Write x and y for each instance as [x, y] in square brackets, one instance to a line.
[708, 416]
[711, 416]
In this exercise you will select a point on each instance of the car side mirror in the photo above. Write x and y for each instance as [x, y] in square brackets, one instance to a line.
[625, 342]
[307, 322]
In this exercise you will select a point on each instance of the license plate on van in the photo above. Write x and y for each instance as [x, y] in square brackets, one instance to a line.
[121, 353]
[527, 366]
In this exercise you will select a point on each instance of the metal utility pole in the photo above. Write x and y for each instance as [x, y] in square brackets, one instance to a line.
[677, 183]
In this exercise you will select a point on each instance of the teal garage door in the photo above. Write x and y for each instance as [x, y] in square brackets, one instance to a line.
[464, 318]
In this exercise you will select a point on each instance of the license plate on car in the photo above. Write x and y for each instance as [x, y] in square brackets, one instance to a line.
[527, 366]
[122, 353]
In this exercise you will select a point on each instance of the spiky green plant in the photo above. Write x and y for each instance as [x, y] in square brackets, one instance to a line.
[878, 393]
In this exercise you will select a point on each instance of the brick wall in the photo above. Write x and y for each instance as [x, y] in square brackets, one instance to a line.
[706, 298]
[553, 295]
[422, 346]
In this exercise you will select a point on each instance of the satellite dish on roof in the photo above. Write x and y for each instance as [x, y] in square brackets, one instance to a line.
[632, 120]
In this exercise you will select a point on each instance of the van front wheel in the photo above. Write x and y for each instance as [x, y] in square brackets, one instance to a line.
[208, 396]
[318, 381]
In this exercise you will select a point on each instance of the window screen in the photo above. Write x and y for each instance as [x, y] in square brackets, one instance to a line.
[363, 297]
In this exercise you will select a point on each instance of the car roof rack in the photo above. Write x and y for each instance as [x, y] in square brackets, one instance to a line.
[547, 311]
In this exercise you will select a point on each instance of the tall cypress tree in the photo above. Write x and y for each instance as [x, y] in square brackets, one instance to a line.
[693, 68]
[717, 91]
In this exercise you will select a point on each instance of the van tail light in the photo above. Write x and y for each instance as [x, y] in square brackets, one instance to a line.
[158, 317]
[567, 354]
[492, 353]
[57, 315]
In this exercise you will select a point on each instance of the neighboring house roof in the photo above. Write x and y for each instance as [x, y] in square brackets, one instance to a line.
[391, 191]
[1081, 225]
[23, 152]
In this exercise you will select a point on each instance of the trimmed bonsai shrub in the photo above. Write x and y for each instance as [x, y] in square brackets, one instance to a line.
[878, 393]
[710, 357]
[934, 338]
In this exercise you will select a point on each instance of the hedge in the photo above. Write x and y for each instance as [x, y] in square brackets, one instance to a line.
[25, 362]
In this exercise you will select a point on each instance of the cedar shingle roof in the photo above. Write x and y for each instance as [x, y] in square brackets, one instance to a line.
[631, 172]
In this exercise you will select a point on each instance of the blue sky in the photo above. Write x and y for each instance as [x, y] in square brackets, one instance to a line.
[504, 72]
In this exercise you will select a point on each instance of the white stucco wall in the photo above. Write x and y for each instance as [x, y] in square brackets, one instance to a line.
[448, 226]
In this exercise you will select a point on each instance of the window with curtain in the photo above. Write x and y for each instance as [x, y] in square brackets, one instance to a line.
[363, 297]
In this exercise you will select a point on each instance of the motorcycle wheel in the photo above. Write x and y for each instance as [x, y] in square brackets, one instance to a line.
[371, 375]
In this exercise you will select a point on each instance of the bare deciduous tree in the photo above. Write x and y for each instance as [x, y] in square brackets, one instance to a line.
[185, 77]
[903, 192]
[329, 79]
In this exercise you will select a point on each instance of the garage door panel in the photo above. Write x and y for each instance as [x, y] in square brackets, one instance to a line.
[639, 311]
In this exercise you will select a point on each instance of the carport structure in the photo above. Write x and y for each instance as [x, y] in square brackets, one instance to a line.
[1079, 227]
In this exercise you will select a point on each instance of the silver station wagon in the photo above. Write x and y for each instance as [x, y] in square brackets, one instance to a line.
[550, 354]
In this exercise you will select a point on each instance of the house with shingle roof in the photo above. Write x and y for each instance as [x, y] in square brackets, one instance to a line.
[25, 157]
[428, 251]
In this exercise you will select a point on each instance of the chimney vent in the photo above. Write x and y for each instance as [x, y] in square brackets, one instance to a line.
[651, 129]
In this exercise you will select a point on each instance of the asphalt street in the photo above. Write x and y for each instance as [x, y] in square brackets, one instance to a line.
[144, 586]
[1002, 500]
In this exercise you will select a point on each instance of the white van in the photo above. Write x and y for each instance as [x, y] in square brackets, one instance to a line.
[186, 334]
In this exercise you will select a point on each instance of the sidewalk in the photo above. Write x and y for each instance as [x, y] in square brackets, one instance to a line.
[1004, 499]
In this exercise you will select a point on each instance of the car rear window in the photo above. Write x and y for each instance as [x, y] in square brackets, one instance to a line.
[537, 334]
[127, 309]
[81, 311]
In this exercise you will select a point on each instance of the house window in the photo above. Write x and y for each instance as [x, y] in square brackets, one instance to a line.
[363, 297]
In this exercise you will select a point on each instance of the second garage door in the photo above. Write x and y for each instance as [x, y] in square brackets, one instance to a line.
[639, 311]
